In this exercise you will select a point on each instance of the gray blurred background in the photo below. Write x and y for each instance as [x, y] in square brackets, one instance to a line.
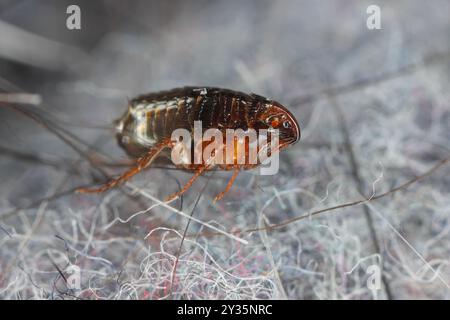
[374, 110]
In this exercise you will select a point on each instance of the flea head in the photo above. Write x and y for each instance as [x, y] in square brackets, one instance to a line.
[276, 116]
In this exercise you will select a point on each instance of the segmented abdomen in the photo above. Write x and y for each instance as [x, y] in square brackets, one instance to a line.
[165, 111]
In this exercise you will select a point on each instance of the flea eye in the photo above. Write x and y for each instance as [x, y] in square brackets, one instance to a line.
[286, 124]
[274, 122]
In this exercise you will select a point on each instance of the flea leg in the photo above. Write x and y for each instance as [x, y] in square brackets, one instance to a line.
[198, 172]
[185, 188]
[228, 187]
[141, 164]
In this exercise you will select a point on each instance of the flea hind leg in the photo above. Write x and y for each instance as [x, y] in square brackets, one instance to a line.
[141, 164]
[186, 187]
[228, 187]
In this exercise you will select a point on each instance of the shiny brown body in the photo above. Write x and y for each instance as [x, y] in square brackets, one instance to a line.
[145, 130]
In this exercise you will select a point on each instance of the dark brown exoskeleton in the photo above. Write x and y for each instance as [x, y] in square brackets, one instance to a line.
[145, 130]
